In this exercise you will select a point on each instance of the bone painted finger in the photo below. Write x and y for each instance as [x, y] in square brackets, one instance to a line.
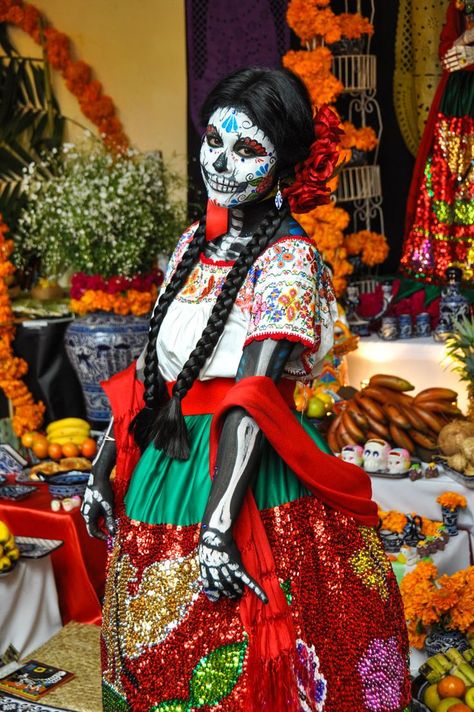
[94, 531]
[110, 524]
[252, 584]
[213, 596]
[227, 583]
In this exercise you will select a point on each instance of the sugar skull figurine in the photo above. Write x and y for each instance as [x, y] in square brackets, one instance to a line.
[399, 461]
[376, 455]
[353, 453]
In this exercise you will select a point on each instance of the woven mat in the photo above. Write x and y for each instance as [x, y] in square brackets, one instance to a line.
[75, 649]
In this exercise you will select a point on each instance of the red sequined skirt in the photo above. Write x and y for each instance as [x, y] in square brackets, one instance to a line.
[167, 647]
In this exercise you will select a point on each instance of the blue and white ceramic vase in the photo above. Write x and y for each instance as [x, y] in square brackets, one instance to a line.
[450, 520]
[99, 345]
[439, 640]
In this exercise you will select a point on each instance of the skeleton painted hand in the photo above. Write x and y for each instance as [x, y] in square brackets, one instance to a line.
[99, 498]
[458, 57]
[98, 502]
[222, 572]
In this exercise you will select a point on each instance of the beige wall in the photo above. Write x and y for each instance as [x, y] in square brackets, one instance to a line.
[137, 51]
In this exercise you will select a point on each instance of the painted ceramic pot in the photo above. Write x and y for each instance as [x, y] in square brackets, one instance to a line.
[349, 46]
[358, 157]
[99, 345]
[450, 520]
[440, 639]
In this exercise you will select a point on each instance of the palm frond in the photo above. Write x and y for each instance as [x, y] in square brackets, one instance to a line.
[26, 128]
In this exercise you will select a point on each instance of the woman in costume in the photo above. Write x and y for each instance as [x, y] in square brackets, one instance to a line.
[264, 587]
[439, 229]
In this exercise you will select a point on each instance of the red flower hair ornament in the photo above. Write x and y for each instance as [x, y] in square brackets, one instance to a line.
[309, 188]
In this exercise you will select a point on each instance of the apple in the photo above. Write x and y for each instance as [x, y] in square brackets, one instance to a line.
[431, 697]
[448, 702]
[328, 401]
[316, 408]
[469, 697]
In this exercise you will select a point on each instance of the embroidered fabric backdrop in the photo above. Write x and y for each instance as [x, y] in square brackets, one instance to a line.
[223, 36]
[417, 68]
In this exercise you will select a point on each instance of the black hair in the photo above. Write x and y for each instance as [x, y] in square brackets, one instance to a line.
[278, 103]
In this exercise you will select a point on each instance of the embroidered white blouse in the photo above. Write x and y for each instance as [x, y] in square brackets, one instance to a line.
[287, 294]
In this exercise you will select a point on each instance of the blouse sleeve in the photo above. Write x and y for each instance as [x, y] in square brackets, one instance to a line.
[293, 299]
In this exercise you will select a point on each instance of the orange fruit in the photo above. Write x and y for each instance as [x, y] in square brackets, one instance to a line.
[70, 450]
[55, 451]
[460, 707]
[89, 447]
[27, 439]
[451, 686]
[40, 447]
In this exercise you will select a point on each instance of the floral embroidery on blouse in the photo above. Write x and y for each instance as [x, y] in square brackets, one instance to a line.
[290, 293]
[179, 250]
[287, 294]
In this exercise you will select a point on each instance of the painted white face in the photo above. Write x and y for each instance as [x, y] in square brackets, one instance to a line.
[399, 460]
[352, 453]
[237, 159]
[376, 455]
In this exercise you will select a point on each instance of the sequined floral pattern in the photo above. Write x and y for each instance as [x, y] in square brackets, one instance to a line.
[443, 230]
[312, 686]
[347, 635]
[371, 564]
[381, 670]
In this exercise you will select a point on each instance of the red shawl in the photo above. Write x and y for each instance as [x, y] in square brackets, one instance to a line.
[345, 487]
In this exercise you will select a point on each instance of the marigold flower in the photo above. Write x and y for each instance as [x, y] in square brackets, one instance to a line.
[451, 500]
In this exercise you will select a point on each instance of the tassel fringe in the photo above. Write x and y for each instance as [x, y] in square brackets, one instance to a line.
[141, 427]
[171, 433]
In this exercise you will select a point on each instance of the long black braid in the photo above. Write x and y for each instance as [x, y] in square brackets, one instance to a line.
[169, 427]
[144, 425]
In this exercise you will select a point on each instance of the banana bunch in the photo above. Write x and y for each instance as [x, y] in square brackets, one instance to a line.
[68, 430]
[9, 552]
[385, 410]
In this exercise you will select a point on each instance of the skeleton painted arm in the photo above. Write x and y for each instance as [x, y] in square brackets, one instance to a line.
[239, 451]
[98, 498]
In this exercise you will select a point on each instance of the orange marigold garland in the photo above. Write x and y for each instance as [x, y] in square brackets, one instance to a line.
[325, 225]
[452, 500]
[98, 107]
[428, 600]
[315, 23]
[364, 139]
[313, 18]
[314, 68]
[27, 415]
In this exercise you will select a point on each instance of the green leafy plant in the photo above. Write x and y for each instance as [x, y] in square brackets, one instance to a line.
[93, 212]
[30, 121]
[460, 348]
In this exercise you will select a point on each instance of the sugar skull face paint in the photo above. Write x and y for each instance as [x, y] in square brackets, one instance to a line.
[237, 159]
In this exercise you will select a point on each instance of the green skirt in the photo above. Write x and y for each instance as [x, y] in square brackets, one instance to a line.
[167, 491]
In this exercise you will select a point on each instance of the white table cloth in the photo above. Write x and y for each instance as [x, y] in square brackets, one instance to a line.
[422, 361]
[420, 497]
[29, 610]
